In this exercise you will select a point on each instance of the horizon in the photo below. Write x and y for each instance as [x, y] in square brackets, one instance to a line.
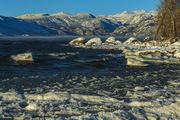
[21, 7]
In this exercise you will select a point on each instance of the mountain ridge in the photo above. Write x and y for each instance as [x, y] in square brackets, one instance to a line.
[135, 23]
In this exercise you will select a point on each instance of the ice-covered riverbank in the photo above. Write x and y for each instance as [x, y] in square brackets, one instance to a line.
[142, 102]
[137, 53]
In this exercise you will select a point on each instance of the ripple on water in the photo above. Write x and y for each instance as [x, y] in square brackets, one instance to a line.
[60, 67]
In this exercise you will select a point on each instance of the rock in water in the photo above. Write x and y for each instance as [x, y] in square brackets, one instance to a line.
[136, 63]
[78, 41]
[131, 40]
[111, 40]
[24, 57]
[94, 42]
[32, 107]
[139, 88]
[118, 42]
[150, 56]
[177, 55]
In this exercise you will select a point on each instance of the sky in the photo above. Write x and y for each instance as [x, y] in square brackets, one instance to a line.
[96, 7]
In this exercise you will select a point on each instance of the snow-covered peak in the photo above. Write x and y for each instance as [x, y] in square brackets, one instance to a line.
[61, 14]
[85, 15]
[139, 12]
[125, 13]
[133, 17]
[33, 16]
[136, 12]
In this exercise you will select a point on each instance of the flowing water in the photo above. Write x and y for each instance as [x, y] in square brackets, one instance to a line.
[60, 67]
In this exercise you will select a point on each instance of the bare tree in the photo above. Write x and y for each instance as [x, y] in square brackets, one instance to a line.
[168, 19]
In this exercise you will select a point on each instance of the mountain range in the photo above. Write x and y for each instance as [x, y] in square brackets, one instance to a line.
[136, 23]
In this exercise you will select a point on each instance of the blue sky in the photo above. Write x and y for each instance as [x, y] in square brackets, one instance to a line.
[96, 7]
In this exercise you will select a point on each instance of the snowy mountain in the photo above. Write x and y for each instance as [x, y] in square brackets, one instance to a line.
[10, 26]
[136, 22]
[126, 23]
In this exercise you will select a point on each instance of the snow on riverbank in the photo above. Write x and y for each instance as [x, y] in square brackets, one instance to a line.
[136, 52]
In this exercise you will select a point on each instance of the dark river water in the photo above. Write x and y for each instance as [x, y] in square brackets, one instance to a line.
[59, 67]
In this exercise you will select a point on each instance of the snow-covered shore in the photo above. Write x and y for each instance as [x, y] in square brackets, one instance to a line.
[148, 102]
[137, 53]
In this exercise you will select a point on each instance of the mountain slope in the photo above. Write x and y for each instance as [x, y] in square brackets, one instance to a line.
[81, 24]
[11, 26]
[135, 23]
[132, 23]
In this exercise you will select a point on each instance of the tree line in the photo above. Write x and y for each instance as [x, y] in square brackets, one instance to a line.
[168, 20]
